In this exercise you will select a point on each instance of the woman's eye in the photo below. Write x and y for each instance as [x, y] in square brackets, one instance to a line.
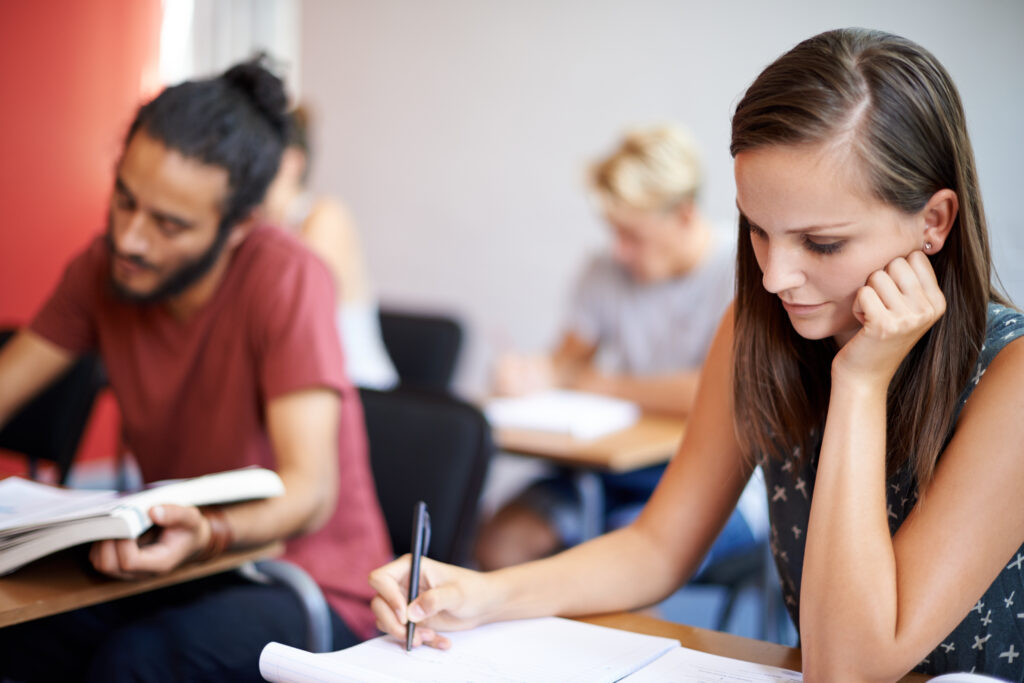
[822, 247]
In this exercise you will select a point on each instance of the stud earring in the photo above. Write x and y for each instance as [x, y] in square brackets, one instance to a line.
[927, 246]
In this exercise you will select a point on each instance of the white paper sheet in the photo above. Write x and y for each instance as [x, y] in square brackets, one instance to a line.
[683, 665]
[575, 413]
[527, 651]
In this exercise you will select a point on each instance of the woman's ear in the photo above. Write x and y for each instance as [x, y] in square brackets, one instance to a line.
[939, 214]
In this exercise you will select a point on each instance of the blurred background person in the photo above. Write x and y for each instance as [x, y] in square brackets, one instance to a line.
[641, 321]
[326, 227]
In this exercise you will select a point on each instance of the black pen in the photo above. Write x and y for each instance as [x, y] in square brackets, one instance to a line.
[420, 543]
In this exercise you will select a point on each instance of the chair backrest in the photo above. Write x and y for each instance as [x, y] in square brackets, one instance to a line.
[424, 348]
[50, 426]
[431, 447]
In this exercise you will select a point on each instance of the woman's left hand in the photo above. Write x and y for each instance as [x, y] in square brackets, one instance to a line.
[895, 308]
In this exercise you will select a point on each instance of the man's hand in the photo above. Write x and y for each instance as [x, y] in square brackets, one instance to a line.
[183, 531]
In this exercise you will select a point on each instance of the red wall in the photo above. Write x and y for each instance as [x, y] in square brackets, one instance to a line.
[72, 73]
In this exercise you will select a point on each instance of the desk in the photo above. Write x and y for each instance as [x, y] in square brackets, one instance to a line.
[714, 642]
[652, 440]
[59, 583]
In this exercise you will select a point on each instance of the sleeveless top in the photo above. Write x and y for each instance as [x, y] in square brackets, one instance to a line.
[990, 638]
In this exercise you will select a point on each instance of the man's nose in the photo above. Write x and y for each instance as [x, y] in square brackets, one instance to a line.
[131, 238]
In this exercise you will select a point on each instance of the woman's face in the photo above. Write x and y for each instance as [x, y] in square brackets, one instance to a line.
[817, 233]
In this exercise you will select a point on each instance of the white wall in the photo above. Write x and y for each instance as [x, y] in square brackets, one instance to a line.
[458, 130]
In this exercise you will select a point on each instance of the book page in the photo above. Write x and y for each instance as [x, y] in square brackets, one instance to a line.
[577, 414]
[526, 651]
[24, 503]
[683, 665]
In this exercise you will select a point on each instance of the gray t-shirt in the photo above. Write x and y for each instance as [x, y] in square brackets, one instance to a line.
[652, 328]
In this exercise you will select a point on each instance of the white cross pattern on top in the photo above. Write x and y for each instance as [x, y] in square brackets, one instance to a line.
[948, 647]
[987, 619]
[780, 494]
[1016, 563]
[1010, 654]
[978, 607]
[1009, 600]
[979, 643]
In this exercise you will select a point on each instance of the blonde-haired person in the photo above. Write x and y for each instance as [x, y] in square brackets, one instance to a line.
[325, 226]
[639, 326]
[869, 365]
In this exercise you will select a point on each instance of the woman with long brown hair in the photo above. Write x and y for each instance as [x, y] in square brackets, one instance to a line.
[868, 366]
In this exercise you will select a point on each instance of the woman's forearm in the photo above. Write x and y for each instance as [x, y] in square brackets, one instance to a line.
[848, 595]
[622, 570]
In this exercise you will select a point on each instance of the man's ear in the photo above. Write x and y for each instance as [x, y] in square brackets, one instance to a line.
[241, 230]
[685, 212]
[938, 215]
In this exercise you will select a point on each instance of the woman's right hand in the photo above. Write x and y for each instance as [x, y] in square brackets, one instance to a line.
[451, 599]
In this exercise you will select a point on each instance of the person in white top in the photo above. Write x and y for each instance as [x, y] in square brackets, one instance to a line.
[325, 226]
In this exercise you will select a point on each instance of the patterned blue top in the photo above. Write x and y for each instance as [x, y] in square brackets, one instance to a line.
[990, 639]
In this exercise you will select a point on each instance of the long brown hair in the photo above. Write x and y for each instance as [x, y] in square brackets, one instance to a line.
[901, 114]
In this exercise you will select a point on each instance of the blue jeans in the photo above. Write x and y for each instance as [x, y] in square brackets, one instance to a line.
[556, 499]
[212, 629]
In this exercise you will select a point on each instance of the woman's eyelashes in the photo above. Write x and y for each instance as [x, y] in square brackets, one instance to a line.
[817, 245]
[824, 248]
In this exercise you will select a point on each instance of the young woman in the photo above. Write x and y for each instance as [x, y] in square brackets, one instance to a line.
[865, 319]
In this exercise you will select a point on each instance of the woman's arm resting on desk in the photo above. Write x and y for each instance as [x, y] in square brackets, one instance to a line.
[303, 428]
[634, 566]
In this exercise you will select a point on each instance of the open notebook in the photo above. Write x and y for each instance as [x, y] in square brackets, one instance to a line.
[531, 650]
[573, 413]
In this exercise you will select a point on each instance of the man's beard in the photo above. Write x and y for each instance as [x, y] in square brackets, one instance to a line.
[178, 281]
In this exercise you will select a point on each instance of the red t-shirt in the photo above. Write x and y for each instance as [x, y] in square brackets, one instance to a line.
[193, 394]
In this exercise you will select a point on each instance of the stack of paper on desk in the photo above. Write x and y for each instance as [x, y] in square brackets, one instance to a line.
[36, 519]
[535, 650]
[574, 413]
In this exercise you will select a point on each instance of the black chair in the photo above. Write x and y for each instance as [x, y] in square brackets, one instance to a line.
[51, 425]
[431, 447]
[424, 348]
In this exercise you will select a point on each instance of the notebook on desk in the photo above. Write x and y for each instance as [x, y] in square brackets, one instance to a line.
[572, 413]
[530, 650]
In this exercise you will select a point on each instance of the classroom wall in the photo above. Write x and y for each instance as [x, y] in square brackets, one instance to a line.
[458, 131]
[72, 74]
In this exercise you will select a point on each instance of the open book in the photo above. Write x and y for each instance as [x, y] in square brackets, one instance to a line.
[574, 413]
[36, 519]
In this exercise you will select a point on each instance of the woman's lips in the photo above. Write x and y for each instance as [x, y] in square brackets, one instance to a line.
[802, 309]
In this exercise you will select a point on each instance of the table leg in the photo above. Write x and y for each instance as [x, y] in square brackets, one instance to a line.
[588, 485]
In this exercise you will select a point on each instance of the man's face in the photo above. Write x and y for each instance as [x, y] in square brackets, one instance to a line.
[645, 241]
[163, 226]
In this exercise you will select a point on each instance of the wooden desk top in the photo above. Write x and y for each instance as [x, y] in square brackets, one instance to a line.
[652, 440]
[713, 642]
[60, 583]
